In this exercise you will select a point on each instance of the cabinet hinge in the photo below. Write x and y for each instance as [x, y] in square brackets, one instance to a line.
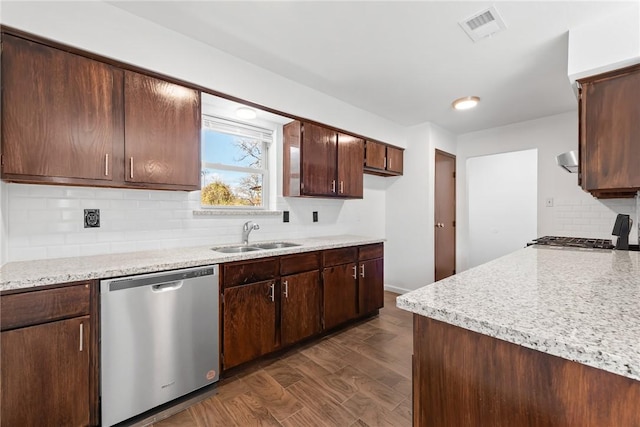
[454, 174]
[454, 223]
[1, 160]
[222, 359]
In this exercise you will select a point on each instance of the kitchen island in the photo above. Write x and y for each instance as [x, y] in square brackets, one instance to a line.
[540, 337]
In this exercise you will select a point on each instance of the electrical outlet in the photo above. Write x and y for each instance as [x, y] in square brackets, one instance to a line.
[548, 202]
[285, 216]
[91, 218]
[315, 216]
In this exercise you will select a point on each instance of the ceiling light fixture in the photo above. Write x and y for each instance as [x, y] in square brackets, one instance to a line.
[246, 113]
[465, 103]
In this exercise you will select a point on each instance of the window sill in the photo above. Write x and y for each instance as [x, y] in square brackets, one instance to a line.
[235, 212]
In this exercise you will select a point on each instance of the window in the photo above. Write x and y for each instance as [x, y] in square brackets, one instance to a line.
[234, 164]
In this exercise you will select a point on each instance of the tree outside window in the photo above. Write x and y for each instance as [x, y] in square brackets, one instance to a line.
[234, 172]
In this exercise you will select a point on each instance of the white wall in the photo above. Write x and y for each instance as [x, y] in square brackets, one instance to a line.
[574, 212]
[502, 193]
[608, 43]
[4, 223]
[410, 211]
[46, 221]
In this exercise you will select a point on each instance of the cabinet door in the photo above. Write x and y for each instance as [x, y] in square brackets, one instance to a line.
[249, 322]
[301, 304]
[375, 155]
[370, 286]
[611, 130]
[61, 114]
[394, 160]
[340, 302]
[350, 166]
[45, 374]
[318, 161]
[162, 132]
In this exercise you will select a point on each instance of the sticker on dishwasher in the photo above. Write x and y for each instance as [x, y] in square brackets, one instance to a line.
[211, 374]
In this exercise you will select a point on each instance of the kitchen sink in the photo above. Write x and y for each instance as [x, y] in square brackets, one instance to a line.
[275, 245]
[236, 249]
[254, 247]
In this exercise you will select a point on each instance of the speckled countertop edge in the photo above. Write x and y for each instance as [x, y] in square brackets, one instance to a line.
[30, 274]
[588, 347]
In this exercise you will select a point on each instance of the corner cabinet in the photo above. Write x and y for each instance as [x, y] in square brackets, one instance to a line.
[609, 133]
[383, 159]
[49, 362]
[321, 162]
[74, 120]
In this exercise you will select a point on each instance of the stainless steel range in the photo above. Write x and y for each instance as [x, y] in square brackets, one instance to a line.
[574, 242]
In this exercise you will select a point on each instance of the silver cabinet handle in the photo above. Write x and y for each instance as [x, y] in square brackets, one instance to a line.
[272, 296]
[286, 288]
[131, 167]
[333, 186]
[106, 164]
[385, 162]
[361, 270]
[440, 225]
[81, 336]
[341, 187]
[355, 275]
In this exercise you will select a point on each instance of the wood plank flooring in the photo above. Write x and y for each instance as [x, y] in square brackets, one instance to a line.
[360, 376]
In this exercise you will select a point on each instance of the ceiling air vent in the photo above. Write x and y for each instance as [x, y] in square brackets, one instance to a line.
[483, 24]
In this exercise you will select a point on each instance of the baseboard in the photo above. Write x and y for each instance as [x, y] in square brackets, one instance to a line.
[396, 290]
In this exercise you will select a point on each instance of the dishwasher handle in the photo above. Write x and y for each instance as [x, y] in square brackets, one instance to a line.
[168, 286]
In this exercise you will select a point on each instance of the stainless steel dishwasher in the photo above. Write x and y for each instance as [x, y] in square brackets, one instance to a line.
[159, 339]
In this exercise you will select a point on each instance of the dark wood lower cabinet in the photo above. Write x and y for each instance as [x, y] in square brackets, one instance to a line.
[45, 374]
[370, 286]
[340, 290]
[463, 378]
[301, 301]
[249, 321]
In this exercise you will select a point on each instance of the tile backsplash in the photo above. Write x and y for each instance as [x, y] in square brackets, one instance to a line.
[48, 221]
[591, 217]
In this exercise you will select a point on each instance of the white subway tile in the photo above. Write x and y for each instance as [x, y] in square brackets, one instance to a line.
[27, 253]
[47, 240]
[62, 203]
[63, 251]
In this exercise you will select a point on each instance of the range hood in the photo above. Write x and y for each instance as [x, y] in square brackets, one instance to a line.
[568, 161]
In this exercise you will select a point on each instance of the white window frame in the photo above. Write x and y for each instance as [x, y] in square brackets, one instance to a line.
[237, 128]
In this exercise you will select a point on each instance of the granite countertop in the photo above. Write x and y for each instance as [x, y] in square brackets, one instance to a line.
[29, 274]
[581, 305]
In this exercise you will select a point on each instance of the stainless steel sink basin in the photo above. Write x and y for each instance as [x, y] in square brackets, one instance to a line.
[236, 249]
[275, 245]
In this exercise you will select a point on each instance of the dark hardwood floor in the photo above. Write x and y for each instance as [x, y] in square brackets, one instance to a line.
[360, 376]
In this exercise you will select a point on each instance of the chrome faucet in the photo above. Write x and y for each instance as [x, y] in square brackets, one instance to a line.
[246, 229]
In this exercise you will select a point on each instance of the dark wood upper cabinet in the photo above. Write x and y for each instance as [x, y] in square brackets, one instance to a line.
[395, 160]
[350, 168]
[320, 162]
[383, 159]
[69, 119]
[162, 132]
[61, 115]
[375, 155]
[610, 133]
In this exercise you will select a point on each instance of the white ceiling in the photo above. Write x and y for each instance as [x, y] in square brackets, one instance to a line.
[405, 61]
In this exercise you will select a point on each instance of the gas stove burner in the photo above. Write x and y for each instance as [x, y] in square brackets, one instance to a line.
[574, 242]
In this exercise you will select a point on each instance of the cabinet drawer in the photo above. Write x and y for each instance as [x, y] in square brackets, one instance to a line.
[32, 308]
[292, 264]
[339, 256]
[243, 272]
[371, 251]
